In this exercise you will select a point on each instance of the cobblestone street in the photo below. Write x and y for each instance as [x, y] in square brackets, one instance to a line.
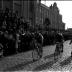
[23, 61]
[35, 35]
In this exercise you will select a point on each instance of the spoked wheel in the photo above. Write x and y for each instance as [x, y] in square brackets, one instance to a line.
[55, 55]
[35, 55]
[61, 50]
[57, 51]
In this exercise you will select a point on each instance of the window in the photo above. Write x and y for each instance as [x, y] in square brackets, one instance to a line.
[17, 7]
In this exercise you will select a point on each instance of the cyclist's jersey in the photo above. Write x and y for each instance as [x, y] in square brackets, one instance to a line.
[59, 38]
[33, 44]
[39, 38]
[42, 38]
[36, 45]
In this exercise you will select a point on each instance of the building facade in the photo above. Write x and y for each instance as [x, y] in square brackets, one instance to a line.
[52, 13]
[35, 12]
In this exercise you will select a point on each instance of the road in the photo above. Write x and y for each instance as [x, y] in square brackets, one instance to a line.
[23, 61]
[23, 58]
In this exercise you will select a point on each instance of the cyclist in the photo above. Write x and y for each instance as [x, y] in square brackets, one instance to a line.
[59, 45]
[38, 36]
[37, 48]
[34, 47]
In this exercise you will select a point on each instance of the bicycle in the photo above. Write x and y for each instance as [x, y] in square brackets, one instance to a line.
[58, 50]
[37, 50]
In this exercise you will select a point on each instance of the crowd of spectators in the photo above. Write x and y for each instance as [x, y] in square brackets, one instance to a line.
[11, 23]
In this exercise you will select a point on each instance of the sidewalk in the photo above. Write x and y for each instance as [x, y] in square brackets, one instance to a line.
[23, 58]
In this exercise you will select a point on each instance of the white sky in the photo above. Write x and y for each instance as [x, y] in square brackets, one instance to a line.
[65, 8]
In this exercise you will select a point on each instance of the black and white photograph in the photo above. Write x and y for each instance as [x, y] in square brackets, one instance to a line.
[35, 35]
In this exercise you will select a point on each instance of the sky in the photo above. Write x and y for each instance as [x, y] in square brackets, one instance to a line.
[65, 8]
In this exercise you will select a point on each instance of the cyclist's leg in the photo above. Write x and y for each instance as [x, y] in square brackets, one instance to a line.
[56, 52]
[40, 50]
[35, 51]
[61, 52]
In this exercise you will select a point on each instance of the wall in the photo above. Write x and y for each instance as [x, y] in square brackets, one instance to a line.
[52, 13]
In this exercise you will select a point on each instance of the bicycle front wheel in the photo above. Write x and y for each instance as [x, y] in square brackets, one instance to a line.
[35, 55]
